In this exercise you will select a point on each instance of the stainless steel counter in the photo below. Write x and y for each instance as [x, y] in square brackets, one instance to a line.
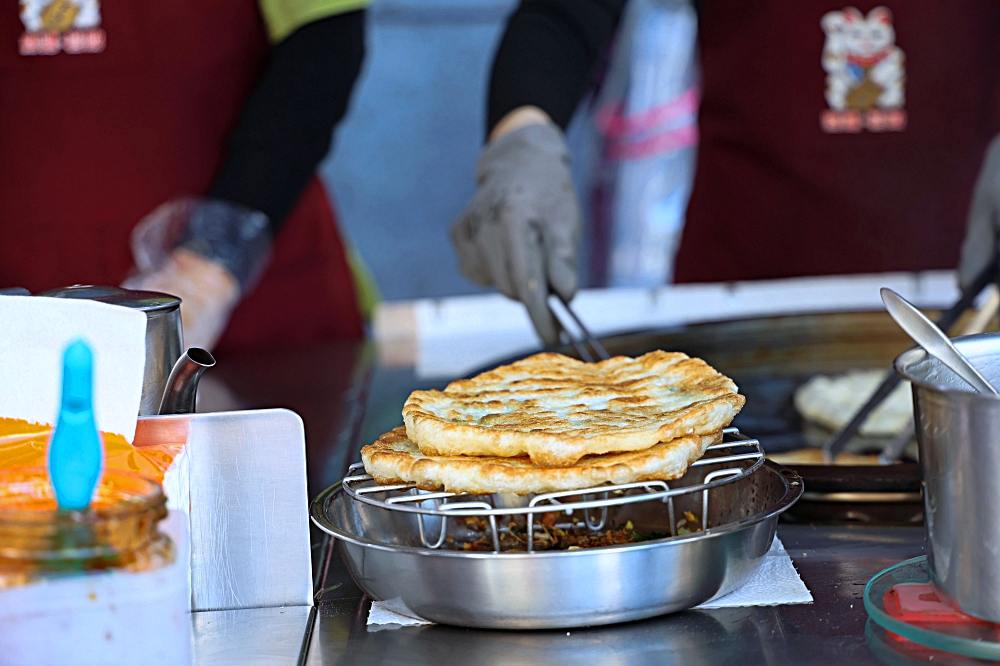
[835, 562]
[250, 636]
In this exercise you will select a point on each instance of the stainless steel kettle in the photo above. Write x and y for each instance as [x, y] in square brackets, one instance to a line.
[164, 342]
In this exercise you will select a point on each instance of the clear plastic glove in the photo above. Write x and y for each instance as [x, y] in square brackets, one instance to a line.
[206, 252]
[521, 231]
[208, 293]
[980, 246]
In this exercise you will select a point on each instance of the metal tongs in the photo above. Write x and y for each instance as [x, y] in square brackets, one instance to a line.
[836, 445]
[587, 347]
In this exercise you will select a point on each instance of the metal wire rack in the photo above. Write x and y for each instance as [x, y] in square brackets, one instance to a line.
[584, 508]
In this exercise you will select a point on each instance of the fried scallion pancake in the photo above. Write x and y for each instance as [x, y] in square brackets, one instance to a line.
[393, 458]
[556, 409]
[832, 401]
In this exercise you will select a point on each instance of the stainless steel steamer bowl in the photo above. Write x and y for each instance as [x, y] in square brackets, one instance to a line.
[959, 437]
[557, 589]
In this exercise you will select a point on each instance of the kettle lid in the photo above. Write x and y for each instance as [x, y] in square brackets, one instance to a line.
[146, 301]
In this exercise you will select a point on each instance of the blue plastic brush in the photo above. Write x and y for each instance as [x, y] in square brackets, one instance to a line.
[75, 451]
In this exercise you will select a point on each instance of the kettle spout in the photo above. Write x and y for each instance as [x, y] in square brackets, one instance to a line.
[182, 385]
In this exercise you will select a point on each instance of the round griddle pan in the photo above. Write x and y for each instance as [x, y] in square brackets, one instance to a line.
[769, 358]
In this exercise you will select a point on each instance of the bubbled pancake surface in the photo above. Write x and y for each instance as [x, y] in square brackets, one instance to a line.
[556, 409]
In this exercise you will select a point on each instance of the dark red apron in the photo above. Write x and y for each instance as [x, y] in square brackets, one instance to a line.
[91, 141]
[788, 185]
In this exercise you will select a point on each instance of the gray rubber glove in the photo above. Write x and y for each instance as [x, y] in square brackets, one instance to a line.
[521, 231]
[980, 246]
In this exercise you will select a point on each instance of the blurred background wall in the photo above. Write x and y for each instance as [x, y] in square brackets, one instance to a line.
[403, 162]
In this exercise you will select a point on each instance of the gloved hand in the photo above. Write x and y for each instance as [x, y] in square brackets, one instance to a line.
[208, 253]
[208, 293]
[521, 231]
[980, 246]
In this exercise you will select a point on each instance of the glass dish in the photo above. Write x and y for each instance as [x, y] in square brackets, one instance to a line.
[972, 638]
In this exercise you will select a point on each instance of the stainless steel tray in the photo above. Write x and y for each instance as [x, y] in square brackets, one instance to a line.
[553, 589]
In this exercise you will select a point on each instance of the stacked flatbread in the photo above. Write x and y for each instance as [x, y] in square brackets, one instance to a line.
[550, 422]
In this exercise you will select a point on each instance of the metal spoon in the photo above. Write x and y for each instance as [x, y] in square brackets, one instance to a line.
[933, 340]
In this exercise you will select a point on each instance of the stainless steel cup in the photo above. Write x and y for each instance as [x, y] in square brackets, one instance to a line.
[958, 432]
[164, 338]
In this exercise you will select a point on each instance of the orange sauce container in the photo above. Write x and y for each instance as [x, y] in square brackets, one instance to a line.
[118, 531]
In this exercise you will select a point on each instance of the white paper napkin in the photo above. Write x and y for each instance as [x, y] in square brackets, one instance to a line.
[394, 611]
[774, 583]
[35, 330]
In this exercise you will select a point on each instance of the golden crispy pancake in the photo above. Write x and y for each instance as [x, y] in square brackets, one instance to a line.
[394, 459]
[556, 409]
[832, 401]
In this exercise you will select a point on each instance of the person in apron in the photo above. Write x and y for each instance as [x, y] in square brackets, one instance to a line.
[832, 140]
[204, 120]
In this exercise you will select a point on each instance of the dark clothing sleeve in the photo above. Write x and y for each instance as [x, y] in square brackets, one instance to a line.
[286, 127]
[547, 56]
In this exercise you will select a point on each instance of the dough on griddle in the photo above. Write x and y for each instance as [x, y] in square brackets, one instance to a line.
[393, 458]
[816, 456]
[832, 401]
[556, 409]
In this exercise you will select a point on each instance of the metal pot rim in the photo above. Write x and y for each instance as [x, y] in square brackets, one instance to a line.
[905, 361]
[793, 491]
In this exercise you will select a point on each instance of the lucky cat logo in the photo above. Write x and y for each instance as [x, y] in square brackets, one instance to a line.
[61, 26]
[865, 74]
